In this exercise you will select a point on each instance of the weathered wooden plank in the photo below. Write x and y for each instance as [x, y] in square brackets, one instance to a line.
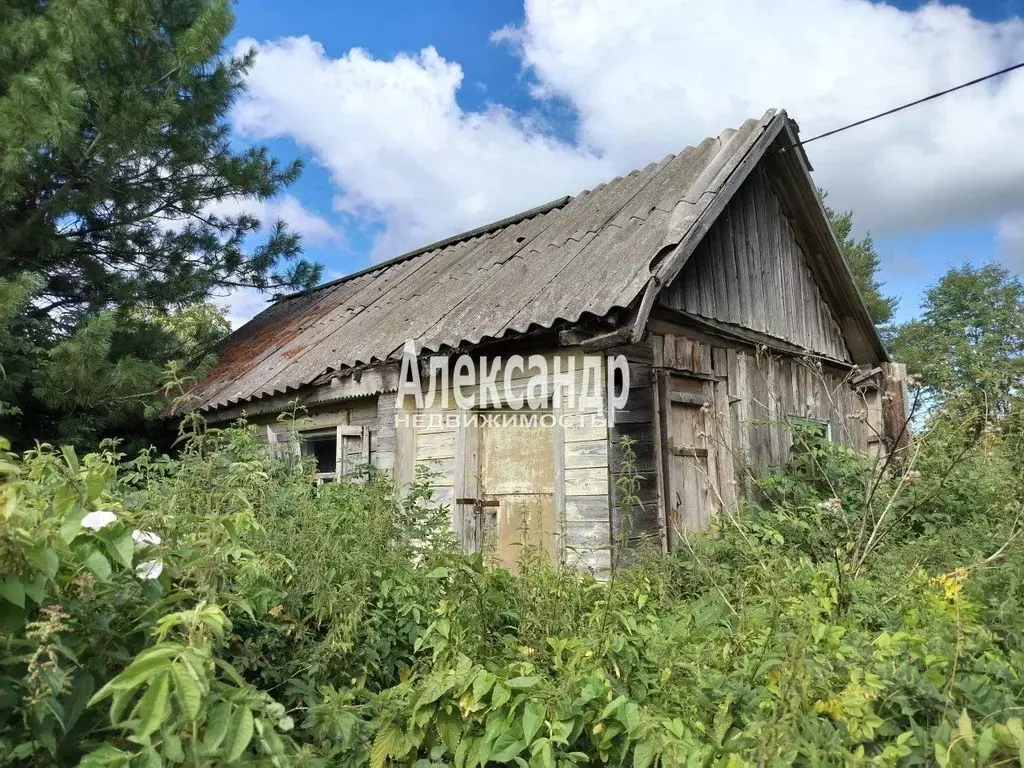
[658, 456]
[436, 445]
[580, 434]
[759, 257]
[689, 398]
[586, 454]
[724, 445]
[559, 456]
[442, 471]
[587, 536]
[642, 446]
[719, 276]
[586, 481]
[587, 509]
[739, 276]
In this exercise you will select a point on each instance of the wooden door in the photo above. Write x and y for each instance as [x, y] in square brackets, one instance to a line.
[517, 490]
[690, 490]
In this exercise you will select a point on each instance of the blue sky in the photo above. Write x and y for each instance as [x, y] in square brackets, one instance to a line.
[456, 113]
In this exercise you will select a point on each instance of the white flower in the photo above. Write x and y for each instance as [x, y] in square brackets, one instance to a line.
[145, 539]
[149, 570]
[101, 518]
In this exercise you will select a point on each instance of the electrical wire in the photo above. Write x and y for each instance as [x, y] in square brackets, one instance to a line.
[893, 111]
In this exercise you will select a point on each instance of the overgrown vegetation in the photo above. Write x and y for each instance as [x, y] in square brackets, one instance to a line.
[220, 608]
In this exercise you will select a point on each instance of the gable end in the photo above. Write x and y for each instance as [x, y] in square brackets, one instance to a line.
[751, 271]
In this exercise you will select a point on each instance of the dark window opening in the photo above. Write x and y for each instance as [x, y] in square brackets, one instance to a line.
[325, 451]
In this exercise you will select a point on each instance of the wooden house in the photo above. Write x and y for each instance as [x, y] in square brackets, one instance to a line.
[713, 272]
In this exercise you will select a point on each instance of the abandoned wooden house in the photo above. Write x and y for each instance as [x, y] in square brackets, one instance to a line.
[714, 272]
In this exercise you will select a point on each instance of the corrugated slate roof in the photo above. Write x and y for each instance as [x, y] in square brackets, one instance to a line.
[589, 254]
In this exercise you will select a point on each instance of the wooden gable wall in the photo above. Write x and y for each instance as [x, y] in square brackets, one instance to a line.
[751, 271]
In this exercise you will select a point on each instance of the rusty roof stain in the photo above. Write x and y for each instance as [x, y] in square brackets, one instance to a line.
[587, 254]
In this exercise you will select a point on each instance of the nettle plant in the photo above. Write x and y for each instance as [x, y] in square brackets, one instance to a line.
[109, 634]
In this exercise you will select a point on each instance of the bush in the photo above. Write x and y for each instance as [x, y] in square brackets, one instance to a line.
[220, 608]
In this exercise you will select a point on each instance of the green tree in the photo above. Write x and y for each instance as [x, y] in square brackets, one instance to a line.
[104, 379]
[969, 339]
[114, 147]
[864, 262]
[114, 154]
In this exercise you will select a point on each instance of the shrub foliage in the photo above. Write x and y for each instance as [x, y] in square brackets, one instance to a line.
[220, 608]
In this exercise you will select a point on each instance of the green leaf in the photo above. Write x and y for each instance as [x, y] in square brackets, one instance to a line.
[543, 756]
[70, 457]
[146, 665]
[98, 564]
[482, 684]
[118, 704]
[560, 731]
[43, 558]
[643, 754]
[153, 706]
[172, 749]
[965, 727]
[613, 706]
[986, 745]
[82, 688]
[13, 591]
[239, 734]
[217, 723]
[507, 745]
[389, 742]
[533, 719]
[500, 695]
[187, 689]
[121, 549]
[36, 589]
[72, 526]
[521, 683]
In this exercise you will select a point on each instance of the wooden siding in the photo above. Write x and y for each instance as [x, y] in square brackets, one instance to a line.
[582, 476]
[632, 524]
[751, 271]
[755, 396]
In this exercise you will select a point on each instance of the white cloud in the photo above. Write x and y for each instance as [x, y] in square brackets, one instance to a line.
[242, 304]
[397, 144]
[649, 76]
[646, 78]
[315, 229]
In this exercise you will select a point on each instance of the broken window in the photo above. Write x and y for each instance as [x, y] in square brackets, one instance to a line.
[337, 452]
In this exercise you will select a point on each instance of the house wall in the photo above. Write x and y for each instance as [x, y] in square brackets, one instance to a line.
[755, 394]
[751, 271]
[582, 471]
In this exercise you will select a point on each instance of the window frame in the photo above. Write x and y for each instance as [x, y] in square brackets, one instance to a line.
[341, 433]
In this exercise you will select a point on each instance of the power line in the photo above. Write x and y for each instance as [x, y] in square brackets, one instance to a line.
[907, 106]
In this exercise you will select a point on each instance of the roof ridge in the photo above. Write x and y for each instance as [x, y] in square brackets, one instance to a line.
[443, 243]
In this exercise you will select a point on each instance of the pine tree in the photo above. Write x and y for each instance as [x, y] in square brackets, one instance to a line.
[113, 145]
[114, 150]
